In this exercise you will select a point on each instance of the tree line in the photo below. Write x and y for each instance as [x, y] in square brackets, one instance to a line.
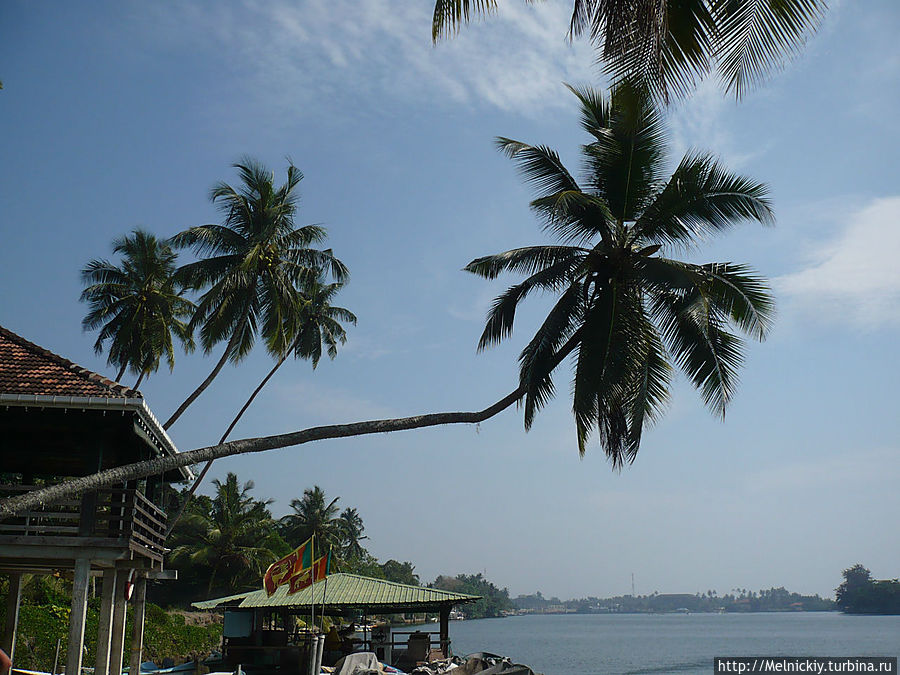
[738, 600]
[225, 541]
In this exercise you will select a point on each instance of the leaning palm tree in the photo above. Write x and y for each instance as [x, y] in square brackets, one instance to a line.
[257, 259]
[315, 516]
[137, 306]
[313, 325]
[673, 43]
[626, 312]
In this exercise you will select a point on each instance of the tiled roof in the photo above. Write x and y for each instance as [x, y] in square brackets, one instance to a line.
[30, 370]
[348, 591]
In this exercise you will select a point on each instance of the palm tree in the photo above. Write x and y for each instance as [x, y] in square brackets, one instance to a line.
[257, 260]
[137, 306]
[628, 311]
[234, 542]
[352, 529]
[672, 43]
[625, 312]
[315, 516]
[314, 323]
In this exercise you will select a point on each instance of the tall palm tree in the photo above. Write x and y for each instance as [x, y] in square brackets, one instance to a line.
[674, 43]
[137, 306]
[314, 324]
[627, 313]
[234, 542]
[352, 529]
[315, 516]
[257, 260]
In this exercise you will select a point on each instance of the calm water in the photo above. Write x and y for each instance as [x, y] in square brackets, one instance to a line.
[632, 644]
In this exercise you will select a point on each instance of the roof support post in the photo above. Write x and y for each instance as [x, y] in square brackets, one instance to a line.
[77, 616]
[117, 642]
[8, 644]
[445, 630]
[104, 629]
[137, 635]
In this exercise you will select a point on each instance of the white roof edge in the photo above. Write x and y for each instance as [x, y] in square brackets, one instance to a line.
[136, 404]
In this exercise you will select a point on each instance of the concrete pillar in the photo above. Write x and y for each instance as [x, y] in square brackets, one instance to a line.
[137, 617]
[445, 630]
[104, 629]
[117, 639]
[8, 643]
[77, 615]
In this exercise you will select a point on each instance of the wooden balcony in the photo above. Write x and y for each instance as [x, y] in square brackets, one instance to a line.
[114, 524]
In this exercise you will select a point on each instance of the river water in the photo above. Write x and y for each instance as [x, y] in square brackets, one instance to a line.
[633, 644]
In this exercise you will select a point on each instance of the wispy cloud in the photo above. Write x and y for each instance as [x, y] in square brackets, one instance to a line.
[345, 51]
[855, 276]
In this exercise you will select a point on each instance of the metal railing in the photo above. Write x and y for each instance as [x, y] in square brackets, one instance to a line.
[124, 516]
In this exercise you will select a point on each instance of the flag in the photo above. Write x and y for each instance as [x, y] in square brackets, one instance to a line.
[282, 571]
[318, 571]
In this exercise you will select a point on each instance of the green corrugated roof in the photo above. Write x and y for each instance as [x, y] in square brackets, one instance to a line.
[347, 591]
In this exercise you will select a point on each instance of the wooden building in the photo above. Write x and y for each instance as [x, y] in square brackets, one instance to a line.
[58, 421]
[259, 631]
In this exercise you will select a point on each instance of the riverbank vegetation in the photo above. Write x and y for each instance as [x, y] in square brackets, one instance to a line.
[44, 625]
[738, 600]
[859, 593]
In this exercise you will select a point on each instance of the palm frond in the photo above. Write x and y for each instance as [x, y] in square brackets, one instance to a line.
[527, 260]
[701, 198]
[537, 360]
[753, 38]
[539, 165]
[449, 14]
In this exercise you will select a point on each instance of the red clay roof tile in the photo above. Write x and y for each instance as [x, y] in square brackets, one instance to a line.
[26, 368]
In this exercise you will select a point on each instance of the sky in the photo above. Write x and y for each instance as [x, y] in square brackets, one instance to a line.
[119, 115]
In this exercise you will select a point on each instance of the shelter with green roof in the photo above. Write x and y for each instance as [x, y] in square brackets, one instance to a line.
[259, 628]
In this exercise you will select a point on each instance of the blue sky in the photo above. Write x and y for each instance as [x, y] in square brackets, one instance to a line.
[123, 115]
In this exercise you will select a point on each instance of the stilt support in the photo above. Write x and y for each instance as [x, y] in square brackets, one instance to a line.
[137, 636]
[104, 629]
[8, 644]
[77, 615]
[117, 639]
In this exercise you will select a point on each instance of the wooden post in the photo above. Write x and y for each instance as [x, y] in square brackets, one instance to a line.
[445, 630]
[77, 615]
[104, 629]
[117, 639]
[137, 617]
[12, 615]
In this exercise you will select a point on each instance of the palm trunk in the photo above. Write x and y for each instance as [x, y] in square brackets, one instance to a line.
[14, 505]
[174, 519]
[121, 372]
[203, 385]
[138, 383]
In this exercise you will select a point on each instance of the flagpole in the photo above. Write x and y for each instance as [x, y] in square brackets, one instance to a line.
[312, 595]
[325, 587]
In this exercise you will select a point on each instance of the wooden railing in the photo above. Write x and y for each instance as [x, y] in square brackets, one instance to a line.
[125, 516]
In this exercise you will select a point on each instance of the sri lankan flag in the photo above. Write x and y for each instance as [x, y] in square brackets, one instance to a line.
[282, 571]
[317, 572]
